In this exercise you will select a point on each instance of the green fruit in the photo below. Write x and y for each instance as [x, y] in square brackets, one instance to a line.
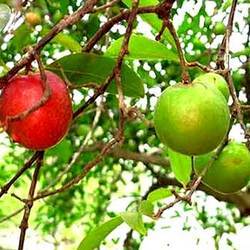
[238, 80]
[219, 28]
[82, 130]
[215, 80]
[191, 118]
[230, 172]
[198, 43]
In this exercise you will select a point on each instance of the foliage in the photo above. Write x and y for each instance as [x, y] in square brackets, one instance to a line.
[149, 68]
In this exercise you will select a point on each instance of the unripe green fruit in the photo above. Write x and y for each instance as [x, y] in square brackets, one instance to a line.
[214, 80]
[230, 172]
[238, 80]
[191, 118]
[82, 130]
[219, 28]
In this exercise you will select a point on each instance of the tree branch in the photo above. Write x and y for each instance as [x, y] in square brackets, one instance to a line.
[65, 22]
[27, 165]
[29, 202]
[11, 215]
[119, 135]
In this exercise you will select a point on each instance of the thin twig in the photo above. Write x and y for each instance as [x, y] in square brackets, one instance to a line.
[12, 215]
[119, 136]
[77, 154]
[123, 52]
[189, 192]
[27, 165]
[184, 67]
[165, 6]
[225, 42]
[199, 65]
[223, 55]
[106, 6]
[65, 22]
[29, 203]
[187, 197]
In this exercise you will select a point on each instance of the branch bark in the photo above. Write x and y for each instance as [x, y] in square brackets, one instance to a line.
[29, 202]
[65, 22]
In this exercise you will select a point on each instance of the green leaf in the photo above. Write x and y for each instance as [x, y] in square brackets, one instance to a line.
[152, 50]
[68, 42]
[5, 13]
[134, 220]
[146, 208]
[22, 37]
[154, 21]
[244, 52]
[65, 40]
[96, 236]
[227, 4]
[159, 194]
[181, 166]
[86, 67]
[63, 151]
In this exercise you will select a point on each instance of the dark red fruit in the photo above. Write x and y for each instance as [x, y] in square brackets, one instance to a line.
[44, 127]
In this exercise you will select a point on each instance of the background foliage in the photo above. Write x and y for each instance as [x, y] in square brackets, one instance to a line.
[150, 67]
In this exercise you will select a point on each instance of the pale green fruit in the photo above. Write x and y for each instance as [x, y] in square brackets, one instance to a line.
[82, 130]
[191, 118]
[214, 80]
[219, 28]
[230, 172]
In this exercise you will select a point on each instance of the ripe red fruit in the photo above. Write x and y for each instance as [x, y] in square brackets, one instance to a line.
[44, 127]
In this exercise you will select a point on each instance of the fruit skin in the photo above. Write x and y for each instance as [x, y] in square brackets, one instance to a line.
[230, 172]
[82, 130]
[33, 18]
[215, 80]
[191, 118]
[44, 127]
[219, 28]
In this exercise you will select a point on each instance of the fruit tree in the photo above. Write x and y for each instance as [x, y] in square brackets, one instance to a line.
[122, 118]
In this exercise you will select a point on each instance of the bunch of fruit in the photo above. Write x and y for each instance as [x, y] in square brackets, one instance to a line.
[193, 119]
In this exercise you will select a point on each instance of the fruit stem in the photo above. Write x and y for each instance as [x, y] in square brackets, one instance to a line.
[184, 66]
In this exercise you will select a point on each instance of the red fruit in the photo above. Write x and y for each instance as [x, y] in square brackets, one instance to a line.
[44, 127]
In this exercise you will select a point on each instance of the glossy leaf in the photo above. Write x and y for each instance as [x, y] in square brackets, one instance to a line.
[22, 37]
[159, 194]
[85, 67]
[146, 208]
[152, 50]
[63, 151]
[152, 19]
[65, 40]
[68, 42]
[96, 236]
[181, 166]
[134, 220]
[5, 13]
